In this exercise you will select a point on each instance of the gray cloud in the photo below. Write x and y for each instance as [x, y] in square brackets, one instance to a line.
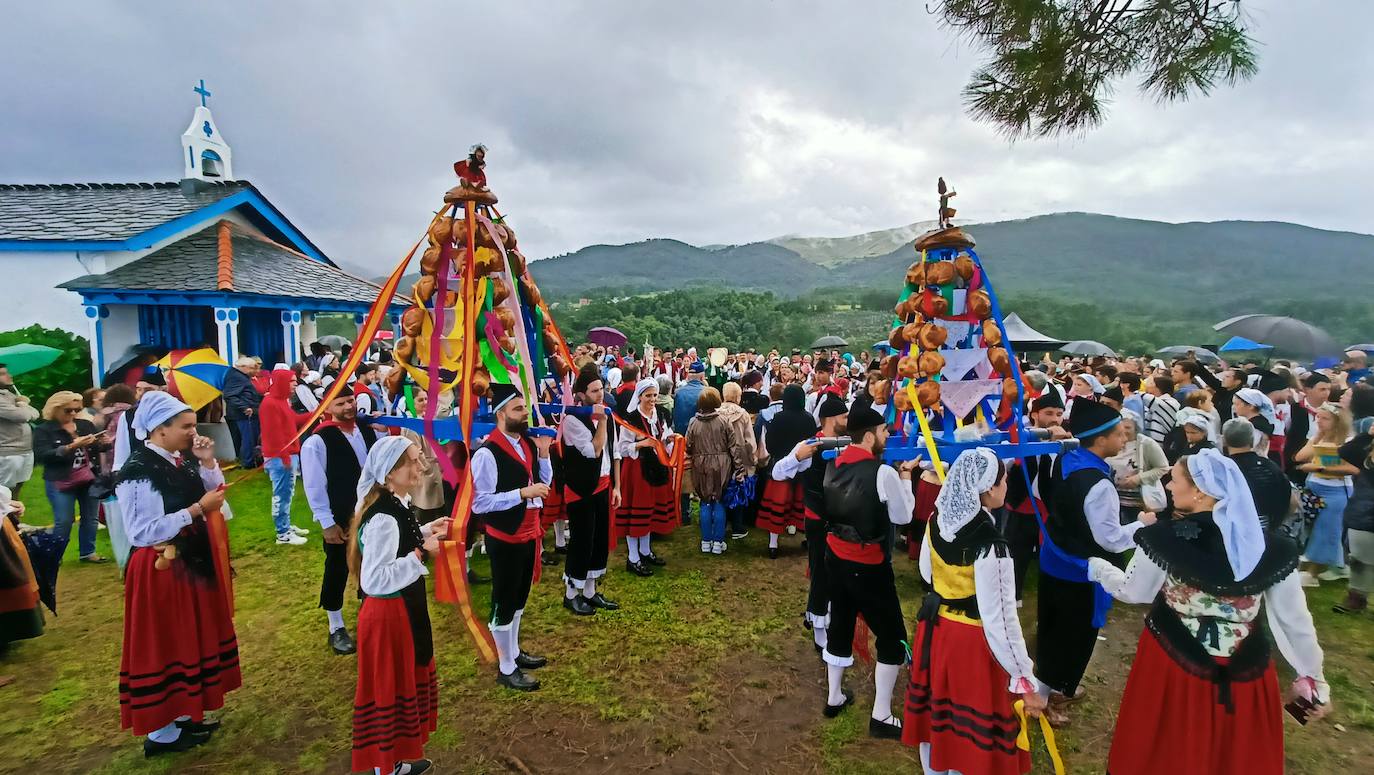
[615, 121]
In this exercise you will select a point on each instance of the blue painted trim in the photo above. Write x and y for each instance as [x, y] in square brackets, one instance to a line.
[218, 299]
[257, 204]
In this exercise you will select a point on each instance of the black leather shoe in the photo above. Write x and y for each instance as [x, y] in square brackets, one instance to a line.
[638, 568]
[654, 559]
[560, 550]
[772, 552]
[831, 711]
[518, 680]
[599, 601]
[341, 642]
[197, 727]
[473, 578]
[417, 766]
[546, 559]
[883, 730]
[184, 742]
[527, 661]
[579, 605]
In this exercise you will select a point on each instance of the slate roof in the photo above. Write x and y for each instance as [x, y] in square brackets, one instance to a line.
[259, 266]
[101, 211]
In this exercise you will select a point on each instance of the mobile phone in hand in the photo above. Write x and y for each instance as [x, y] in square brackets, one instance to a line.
[1299, 709]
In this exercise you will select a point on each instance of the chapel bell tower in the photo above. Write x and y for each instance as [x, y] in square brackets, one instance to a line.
[204, 152]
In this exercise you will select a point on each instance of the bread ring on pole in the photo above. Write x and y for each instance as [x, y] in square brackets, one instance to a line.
[979, 305]
[931, 336]
[992, 335]
[939, 272]
[928, 394]
[916, 274]
[963, 266]
[440, 230]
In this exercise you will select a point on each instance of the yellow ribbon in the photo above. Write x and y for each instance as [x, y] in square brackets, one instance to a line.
[925, 432]
[1023, 737]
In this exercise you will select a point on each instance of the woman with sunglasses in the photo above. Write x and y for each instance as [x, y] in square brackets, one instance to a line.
[68, 447]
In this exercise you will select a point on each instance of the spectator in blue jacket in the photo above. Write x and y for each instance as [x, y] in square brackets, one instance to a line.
[684, 409]
[241, 400]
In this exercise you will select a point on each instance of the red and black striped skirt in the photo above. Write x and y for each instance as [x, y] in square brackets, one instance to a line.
[181, 655]
[644, 508]
[780, 506]
[397, 701]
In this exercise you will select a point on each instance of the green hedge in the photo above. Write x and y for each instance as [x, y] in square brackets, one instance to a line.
[71, 370]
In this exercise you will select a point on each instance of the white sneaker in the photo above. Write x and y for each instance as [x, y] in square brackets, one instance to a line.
[290, 538]
[1335, 574]
[1308, 580]
[705, 547]
[717, 547]
[791, 530]
[300, 531]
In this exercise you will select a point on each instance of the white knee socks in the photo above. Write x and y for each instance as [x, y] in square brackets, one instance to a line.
[515, 635]
[336, 621]
[884, 679]
[560, 533]
[772, 540]
[589, 588]
[633, 544]
[505, 649]
[834, 675]
[821, 636]
[644, 546]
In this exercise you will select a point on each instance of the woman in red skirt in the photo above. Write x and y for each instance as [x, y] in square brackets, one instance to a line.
[1202, 695]
[395, 706]
[555, 511]
[969, 660]
[648, 504]
[781, 505]
[180, 652]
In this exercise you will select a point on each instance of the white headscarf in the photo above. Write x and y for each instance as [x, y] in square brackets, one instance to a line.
[1217, 476]
[1093, 383]
[1198, 419]
[154, 409]
[1133, 416]
[640, 387]
[974, 472]
[1261, 402]
[381, 459]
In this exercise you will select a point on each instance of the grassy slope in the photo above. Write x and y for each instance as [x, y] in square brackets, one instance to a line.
[705, 670]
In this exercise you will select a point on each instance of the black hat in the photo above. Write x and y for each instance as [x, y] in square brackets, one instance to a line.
[824, 364]
[1114, 393]
[585, 377]
[796, 351]
[1048, 400]
[501, 394]
[863, 419]
[1270, 382]
[1090, 418]
[875, 365]
[832, 406]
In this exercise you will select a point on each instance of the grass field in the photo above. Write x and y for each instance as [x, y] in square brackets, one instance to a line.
[705, 669]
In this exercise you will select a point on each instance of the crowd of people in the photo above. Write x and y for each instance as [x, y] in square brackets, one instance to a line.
[1235, 486]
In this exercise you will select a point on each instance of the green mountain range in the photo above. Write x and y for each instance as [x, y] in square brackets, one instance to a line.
[1215, 269]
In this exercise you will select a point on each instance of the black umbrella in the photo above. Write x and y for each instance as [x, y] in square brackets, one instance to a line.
[1289, 336]
[1200, 354]
[45, 556]
[1087, 347]
[129, 366]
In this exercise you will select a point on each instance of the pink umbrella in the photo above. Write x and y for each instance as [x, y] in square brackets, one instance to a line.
[606, 336]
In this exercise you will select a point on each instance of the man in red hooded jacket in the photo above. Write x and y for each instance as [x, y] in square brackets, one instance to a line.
[281, 452]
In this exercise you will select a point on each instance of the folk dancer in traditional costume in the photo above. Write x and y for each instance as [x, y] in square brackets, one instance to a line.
[808, 471]
[394, 707]
[1202, 695]
[181, 655]
[591, 488]
[509, 490]
[331, 462]
[648, 504]
[969, 659]
[783, 504]
[1022, 528]
[1084, 521]
[21, 617]
[864, 501]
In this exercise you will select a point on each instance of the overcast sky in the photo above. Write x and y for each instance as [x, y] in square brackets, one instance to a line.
[614, 121]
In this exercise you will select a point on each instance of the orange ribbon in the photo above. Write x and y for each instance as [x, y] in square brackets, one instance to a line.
[219, 550]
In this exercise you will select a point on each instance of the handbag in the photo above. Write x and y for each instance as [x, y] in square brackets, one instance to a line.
[1151, 495]
[79, 477]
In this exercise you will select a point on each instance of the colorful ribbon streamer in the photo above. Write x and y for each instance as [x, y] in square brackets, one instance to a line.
[1023, 737]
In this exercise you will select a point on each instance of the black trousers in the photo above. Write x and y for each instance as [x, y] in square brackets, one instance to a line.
[818, 598]
[589, 537]
[871, 590]
[512, 572]
[1023, 537]
[335, 574]
[1064, 633]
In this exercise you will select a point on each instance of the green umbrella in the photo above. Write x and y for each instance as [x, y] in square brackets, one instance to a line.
[24, 358]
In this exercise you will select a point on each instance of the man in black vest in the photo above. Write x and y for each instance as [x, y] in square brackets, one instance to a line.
[1084, 521]
[331, 464]
[591, 487]
[864, 500]
[509, 491]
[802, 463]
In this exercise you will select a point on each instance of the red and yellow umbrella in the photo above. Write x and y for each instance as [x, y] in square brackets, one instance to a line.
[194, 376]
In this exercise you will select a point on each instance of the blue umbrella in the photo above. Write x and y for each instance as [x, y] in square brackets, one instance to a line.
[1240, 343]
[45, 556]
